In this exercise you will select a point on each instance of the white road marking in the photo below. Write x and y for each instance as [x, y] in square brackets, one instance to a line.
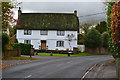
[87, 72]
[69, 62]
[28, 76]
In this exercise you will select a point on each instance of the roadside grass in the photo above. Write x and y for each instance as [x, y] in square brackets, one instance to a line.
[73, 55]
[19, 58]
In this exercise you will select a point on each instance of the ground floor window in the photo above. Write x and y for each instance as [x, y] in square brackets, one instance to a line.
[60, 44]
[27, 41]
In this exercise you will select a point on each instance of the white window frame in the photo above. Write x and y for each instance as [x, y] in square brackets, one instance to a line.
[43, 32]
[27, 41]
[60, 44]
[27, 32]
[60, 33]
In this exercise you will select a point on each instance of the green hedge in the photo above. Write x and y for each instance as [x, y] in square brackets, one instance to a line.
[25, 48]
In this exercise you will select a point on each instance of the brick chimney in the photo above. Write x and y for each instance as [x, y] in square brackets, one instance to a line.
[19, 11]
[75, 12]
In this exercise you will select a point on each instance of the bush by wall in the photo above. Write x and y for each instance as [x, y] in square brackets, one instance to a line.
[25, 48]
[5, 41]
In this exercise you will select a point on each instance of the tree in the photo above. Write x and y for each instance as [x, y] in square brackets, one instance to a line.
[105, 39]
[5, 41]
[115, 29]
[102, 27]
[80, 38]
[7, 14]
[85, 27]
[93, 39]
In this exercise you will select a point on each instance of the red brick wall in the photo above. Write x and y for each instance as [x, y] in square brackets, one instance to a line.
[96, 50]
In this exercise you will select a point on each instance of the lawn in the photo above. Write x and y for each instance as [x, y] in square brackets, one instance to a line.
[73, 55]
[19, 58]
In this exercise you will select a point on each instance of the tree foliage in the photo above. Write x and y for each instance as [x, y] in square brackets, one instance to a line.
[102, 26]
[85, 27]
[115, 28]
[93, 39]
[105, 38]
[6, 14]
[109, 8]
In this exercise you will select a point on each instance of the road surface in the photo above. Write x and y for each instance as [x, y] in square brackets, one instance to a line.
[64, 67]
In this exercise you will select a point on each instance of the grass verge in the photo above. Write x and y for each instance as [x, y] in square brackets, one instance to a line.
[19, 58]
[73, 55]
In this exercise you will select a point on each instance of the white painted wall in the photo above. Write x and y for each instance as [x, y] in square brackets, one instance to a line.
[81, 48]
[51, 39]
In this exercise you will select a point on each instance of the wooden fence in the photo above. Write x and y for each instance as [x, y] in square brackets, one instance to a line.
[15, 53]
[12, 53]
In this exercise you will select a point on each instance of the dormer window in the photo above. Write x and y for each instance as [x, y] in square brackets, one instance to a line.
[27, 32]
[43, 32]
[60, 33]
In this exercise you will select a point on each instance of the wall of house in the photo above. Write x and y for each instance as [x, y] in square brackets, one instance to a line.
[51, 39]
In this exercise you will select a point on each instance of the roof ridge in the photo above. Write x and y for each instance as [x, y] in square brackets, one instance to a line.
[47, 13]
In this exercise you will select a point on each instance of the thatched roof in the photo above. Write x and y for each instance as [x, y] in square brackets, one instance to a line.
[48, 21]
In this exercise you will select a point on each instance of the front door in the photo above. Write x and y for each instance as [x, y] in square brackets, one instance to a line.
[43, 44]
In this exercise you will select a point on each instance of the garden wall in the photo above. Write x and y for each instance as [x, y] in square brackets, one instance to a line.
[16, 52]
[12, 53]
[96, 50]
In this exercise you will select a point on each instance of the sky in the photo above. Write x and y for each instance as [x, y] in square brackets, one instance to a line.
[83, 9]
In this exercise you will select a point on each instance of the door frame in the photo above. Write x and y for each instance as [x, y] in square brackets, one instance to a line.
[43, 44]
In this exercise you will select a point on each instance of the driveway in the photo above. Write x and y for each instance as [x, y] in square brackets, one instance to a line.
[61, 67]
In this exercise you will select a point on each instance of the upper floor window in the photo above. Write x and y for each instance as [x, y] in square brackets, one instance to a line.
[27, 32]
[43, 32]
[27, 41]
[60, 44]
[60, 33]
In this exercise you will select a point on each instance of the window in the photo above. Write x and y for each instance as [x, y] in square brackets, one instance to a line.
[27, 41]
[27, 32]
[60, 44]
[43, 32]
[60, 33]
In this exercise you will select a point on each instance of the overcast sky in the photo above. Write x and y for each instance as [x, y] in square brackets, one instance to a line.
[83, 9]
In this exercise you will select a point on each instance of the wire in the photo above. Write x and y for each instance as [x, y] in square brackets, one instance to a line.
[92, 14]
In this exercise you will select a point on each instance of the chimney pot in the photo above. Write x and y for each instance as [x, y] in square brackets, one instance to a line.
[75, 12]
[19, 11]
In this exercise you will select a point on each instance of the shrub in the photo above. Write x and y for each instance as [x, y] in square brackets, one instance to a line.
[93, 39]
[5, 41]
[105, 38]
[15, 41]
[14, 45]
[25, 48]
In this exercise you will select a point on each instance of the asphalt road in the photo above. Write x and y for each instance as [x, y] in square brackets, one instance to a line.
[64, 67]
